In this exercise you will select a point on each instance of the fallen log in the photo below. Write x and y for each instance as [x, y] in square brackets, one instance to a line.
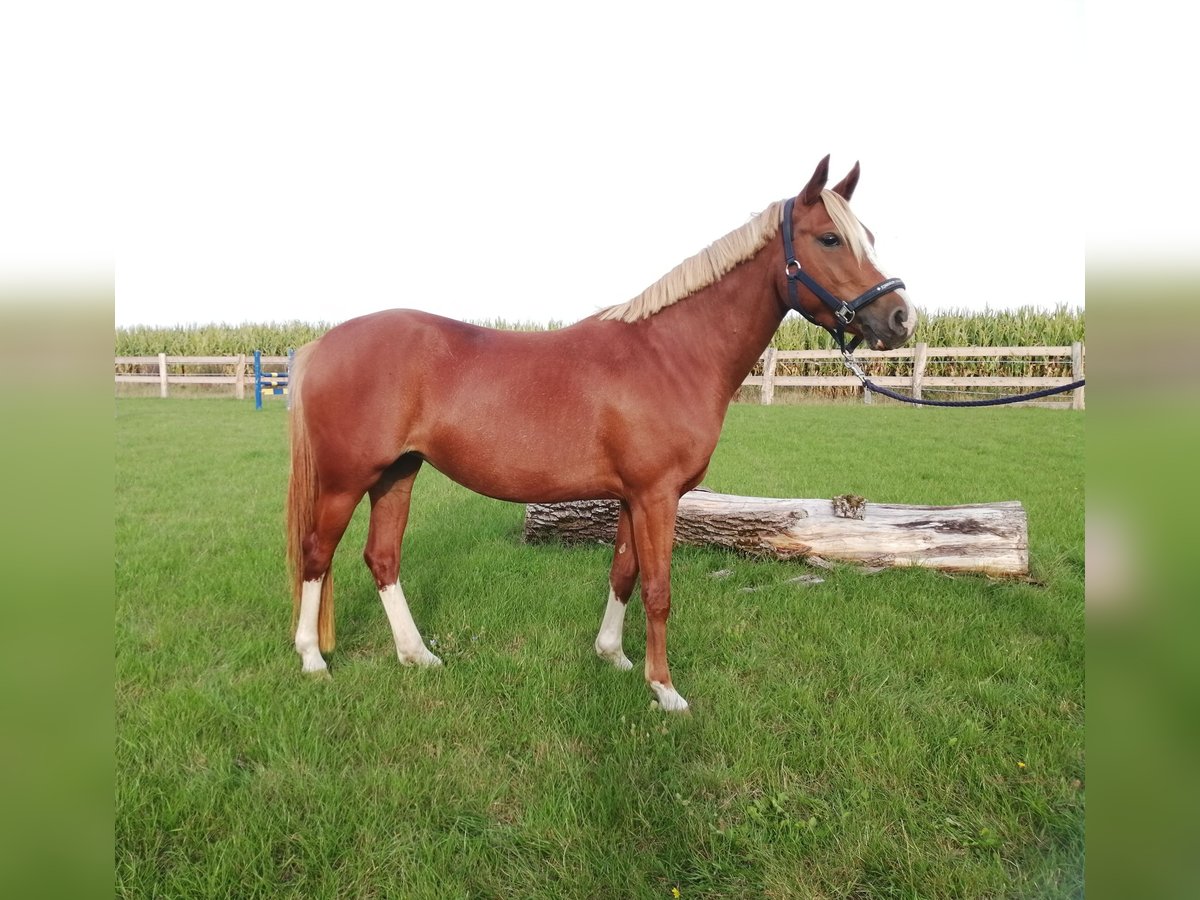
[987, 538]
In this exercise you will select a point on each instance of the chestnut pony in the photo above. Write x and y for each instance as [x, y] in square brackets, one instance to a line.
[626, 404]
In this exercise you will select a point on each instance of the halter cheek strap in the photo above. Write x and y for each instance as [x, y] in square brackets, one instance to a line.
[842, 310]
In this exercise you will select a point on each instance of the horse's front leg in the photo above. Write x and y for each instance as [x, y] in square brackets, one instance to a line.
[654, 536]
[621, 580]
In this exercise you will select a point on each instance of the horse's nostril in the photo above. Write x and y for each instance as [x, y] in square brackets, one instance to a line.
[900, 320]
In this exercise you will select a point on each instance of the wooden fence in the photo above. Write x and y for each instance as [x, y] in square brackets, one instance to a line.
[165, 370]
[916, 381]
[172, 370]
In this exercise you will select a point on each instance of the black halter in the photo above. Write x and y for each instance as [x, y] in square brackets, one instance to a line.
[842, 311]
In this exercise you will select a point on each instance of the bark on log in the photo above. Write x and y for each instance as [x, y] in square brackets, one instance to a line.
[988, 538]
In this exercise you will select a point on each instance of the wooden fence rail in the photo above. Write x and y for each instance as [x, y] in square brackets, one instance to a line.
[917, 381]
[238, 375]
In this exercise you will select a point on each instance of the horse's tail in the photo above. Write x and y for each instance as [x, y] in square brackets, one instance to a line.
[301, 505]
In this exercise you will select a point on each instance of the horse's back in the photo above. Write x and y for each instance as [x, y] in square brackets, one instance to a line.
[395, 347]
[373, 339]
[471, 400]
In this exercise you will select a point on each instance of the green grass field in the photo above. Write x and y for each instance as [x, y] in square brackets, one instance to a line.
[904, 734]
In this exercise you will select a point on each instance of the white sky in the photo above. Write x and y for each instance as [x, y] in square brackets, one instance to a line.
[534, 161]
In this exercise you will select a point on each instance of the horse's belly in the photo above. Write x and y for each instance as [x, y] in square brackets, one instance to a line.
[524, 471]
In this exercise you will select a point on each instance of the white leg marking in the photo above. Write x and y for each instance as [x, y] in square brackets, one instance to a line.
[306, 627]
[668, 698]
[409, 647]
[609, 642]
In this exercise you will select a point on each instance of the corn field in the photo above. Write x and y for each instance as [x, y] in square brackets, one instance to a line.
[272, 338]
[1021, 327]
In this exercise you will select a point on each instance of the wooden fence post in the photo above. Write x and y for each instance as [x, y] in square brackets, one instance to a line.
[239, 372]
[1077, 374]
[768, 382]
[162, 374]
[919, 351]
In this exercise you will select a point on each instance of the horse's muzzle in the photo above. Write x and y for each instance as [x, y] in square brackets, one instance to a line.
[891, 330]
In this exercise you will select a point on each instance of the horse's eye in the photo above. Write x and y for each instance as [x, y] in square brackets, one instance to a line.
[829, 239]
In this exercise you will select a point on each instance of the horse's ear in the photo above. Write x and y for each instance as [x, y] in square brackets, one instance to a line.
[812, 191]
[846, 186]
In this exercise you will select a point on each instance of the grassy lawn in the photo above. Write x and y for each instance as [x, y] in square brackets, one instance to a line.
[904, 734]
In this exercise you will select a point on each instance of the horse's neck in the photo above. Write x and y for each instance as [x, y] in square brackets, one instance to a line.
[727, 325]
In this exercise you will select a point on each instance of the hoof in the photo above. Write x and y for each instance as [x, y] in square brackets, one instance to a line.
[615, 658]
[424, 659]
[667, 698]
[321, 674]
[313, 663]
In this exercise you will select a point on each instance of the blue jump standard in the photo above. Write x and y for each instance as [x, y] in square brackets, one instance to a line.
[271, 384]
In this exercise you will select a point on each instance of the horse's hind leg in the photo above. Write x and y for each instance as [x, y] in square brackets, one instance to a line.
[390, 498]
[622, 578]
[331, 515]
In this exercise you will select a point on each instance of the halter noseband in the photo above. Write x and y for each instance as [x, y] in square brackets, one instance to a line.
[842, 311]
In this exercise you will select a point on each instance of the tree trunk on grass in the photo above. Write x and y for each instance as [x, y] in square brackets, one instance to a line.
[987, 538]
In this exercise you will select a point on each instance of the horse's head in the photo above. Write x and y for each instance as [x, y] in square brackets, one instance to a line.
[832, 276]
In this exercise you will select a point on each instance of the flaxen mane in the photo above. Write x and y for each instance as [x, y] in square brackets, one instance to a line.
[699, 271]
